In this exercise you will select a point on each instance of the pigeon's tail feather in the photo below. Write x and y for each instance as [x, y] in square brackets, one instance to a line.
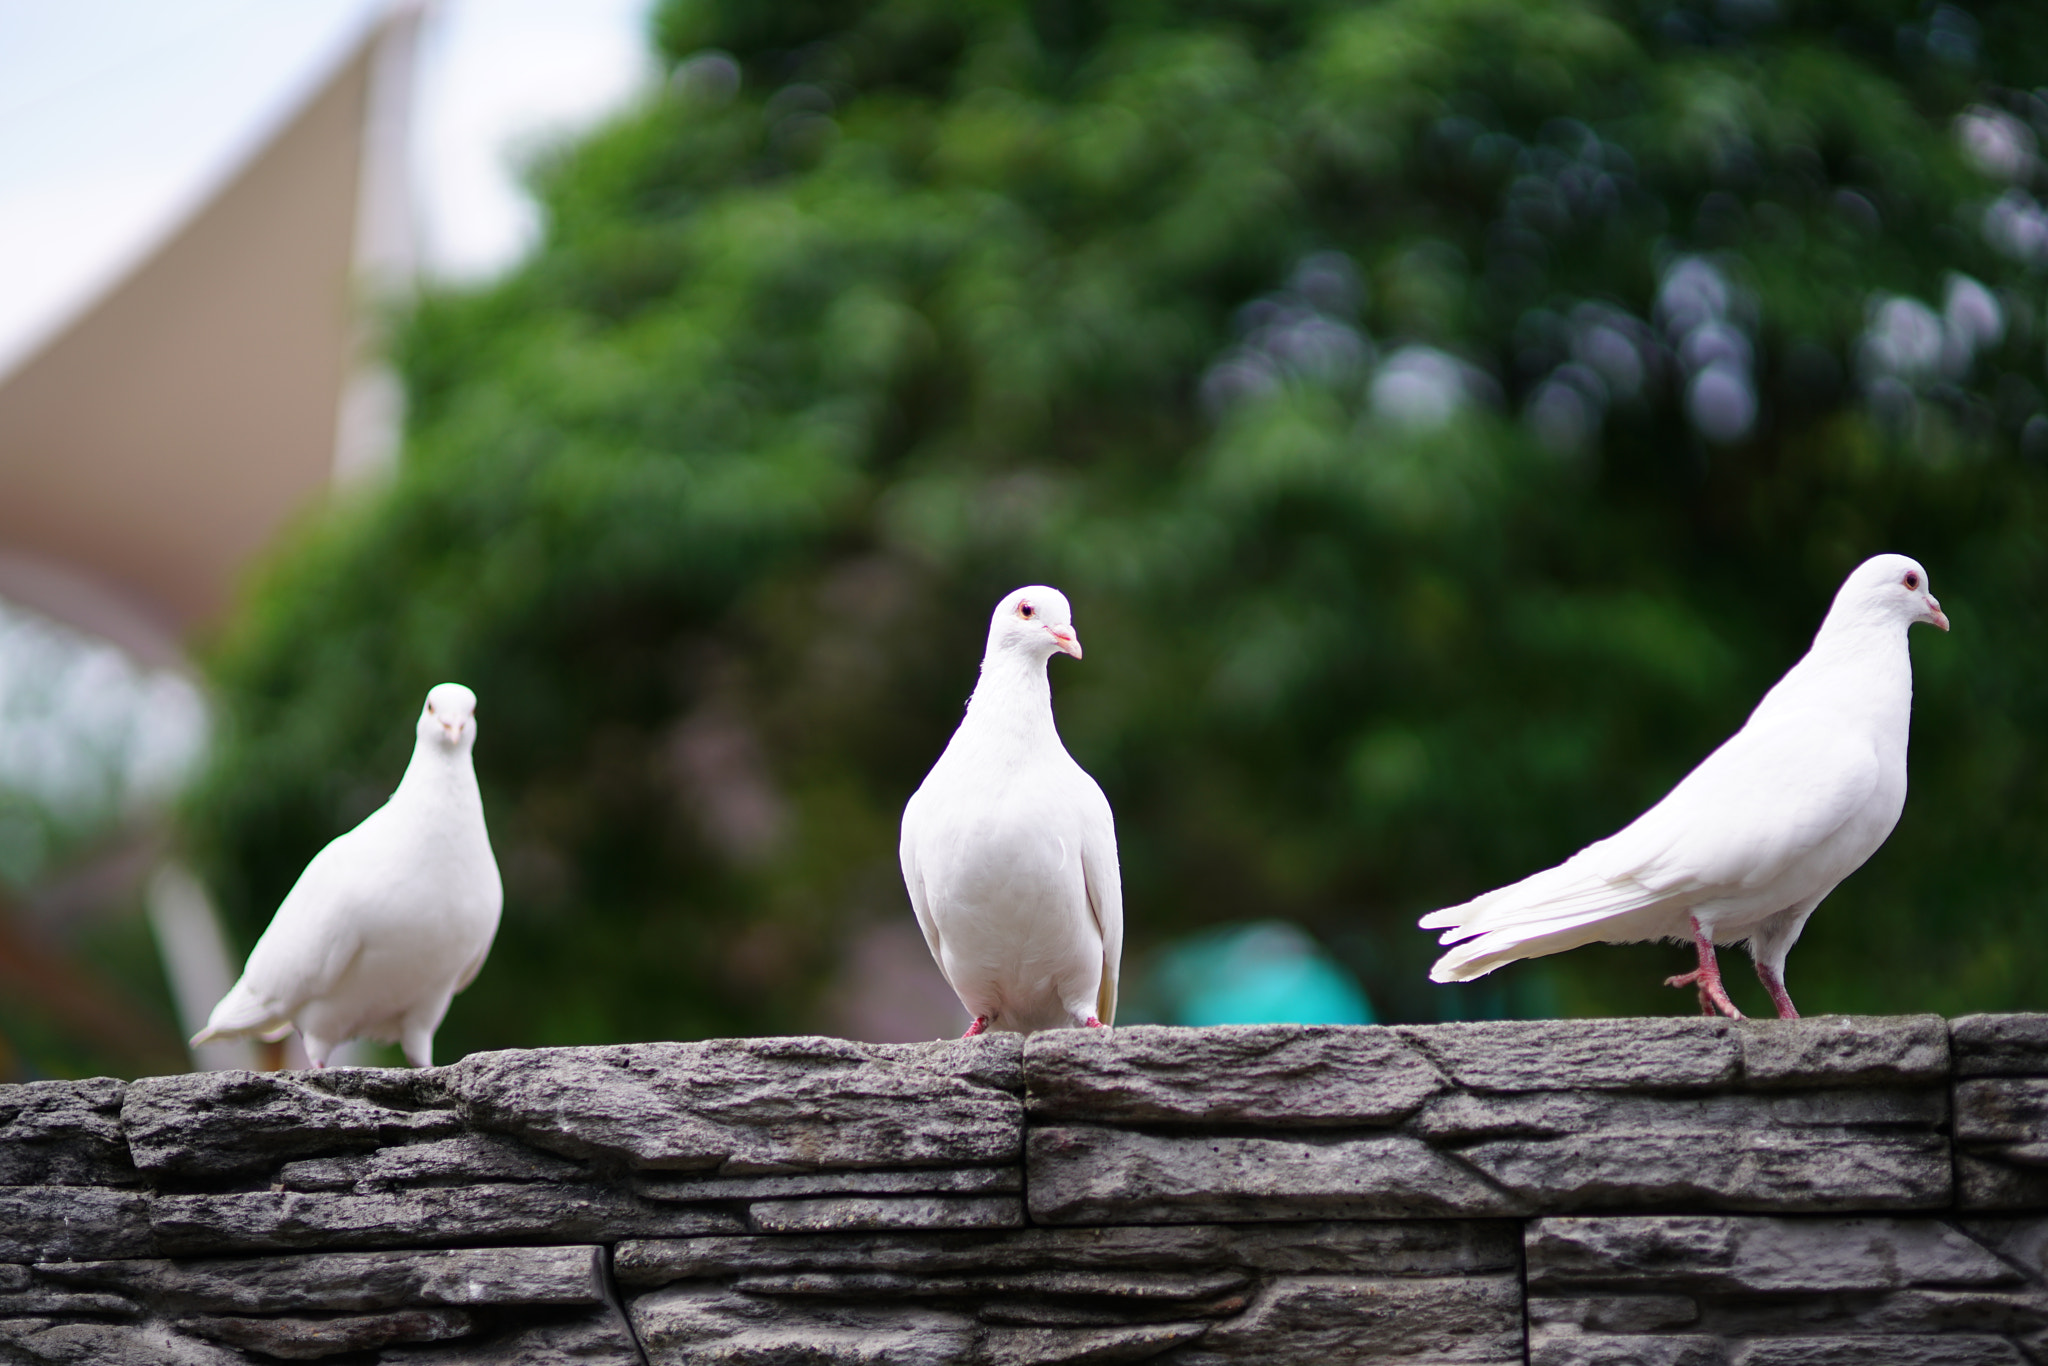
[243, 1014]
[1557, 909]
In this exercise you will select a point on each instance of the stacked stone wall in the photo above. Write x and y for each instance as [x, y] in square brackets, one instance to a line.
[1636, 1192]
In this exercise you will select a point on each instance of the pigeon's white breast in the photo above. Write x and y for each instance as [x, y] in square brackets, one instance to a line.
[419, 927]
[1003, 879]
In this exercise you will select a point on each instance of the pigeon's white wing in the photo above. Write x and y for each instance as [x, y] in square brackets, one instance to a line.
[307, 947]
[1761, 805]
[1746, 819]
[1104, 881]
[913, 877]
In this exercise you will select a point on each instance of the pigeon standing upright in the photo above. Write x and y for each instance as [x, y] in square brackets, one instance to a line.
[390, 920]
[1009, 848]
[1750, 841]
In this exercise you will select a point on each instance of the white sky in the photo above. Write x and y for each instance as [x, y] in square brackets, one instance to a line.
[117, 117]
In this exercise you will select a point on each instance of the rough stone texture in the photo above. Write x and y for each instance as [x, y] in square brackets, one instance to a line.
[1684, 1193]
[63, 1133]
[1999, 1045]
[1744, 1289]
[212, 1124]
[1255, 1074]
[1488, 1119]
[755, 1105]
[340, 1282]
[1400, 1290]
[65, 1223]
[2001, 1136]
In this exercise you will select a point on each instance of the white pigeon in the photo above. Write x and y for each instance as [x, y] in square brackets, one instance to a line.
[1750, 841]
[1009, 848]
[390, 920]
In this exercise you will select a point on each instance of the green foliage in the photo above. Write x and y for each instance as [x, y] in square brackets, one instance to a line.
[1282, 335]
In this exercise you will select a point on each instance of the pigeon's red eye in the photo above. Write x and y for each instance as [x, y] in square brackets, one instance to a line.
[1912, 580]
[1024, 610]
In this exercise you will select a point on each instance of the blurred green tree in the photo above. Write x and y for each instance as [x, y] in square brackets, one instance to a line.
[1447, 417]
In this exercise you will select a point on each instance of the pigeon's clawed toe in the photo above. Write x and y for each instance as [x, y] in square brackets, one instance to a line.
[1749, 842]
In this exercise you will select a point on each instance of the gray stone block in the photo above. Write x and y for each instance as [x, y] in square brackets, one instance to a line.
[70, 1342]
[751, 1106]
[997, 1346]
[1986, 1185]
[1548, 1348]
[1405, 1247]
[1111, 1294]
[911, 1181]
[1065, 1298]
[2001, 1131]
[188, 1225]
[2002, 1110]
[2000, 1045]
[63, 1133]
[1769, 1290]
[347, 1282]
[599, 1338]
[291, 1339]
[1694, 1254]
[1738, 1169]
[1338, 1321]
[694, 1324]
[1291, 1075]
[1077, 1174]
[1594, 1055]
[46, 1300]
[1893, 1349]
[1712, 1117]
[1620, 1313]
[68, 1223]
[848, 1213]
[212, 1124]
[2022, 1242]
[469, 1158]
[1845, 1050]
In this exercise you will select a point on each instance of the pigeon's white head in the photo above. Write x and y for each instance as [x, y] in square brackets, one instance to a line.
[449, 718]
[1034, 622]
[1890, 588]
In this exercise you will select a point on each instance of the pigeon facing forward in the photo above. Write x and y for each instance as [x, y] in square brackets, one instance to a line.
[1009, 849]
[390, 920]
[1749, 842]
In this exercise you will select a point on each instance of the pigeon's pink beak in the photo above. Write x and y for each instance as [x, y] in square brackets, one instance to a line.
[1935, 615]
[1065, 641]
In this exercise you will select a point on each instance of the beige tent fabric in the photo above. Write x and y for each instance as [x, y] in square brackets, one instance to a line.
[162, 439]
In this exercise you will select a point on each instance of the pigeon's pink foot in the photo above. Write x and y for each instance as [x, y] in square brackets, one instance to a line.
[1692, 979]
[980, 1023]
[1780, 997]
[1092, 1023]
[1707, 977]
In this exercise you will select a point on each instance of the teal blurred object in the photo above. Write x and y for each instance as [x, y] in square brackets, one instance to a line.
[1268, 972]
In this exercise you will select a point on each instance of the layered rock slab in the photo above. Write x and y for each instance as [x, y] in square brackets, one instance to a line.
[1735, 1290]
[1327, 1292]
[2001, 1112]
[542, 1304]
[1499, 1119]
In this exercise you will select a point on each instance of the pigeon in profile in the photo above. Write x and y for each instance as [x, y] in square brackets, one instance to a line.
[1009, 848]
[1750, 841]
[390, 920]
